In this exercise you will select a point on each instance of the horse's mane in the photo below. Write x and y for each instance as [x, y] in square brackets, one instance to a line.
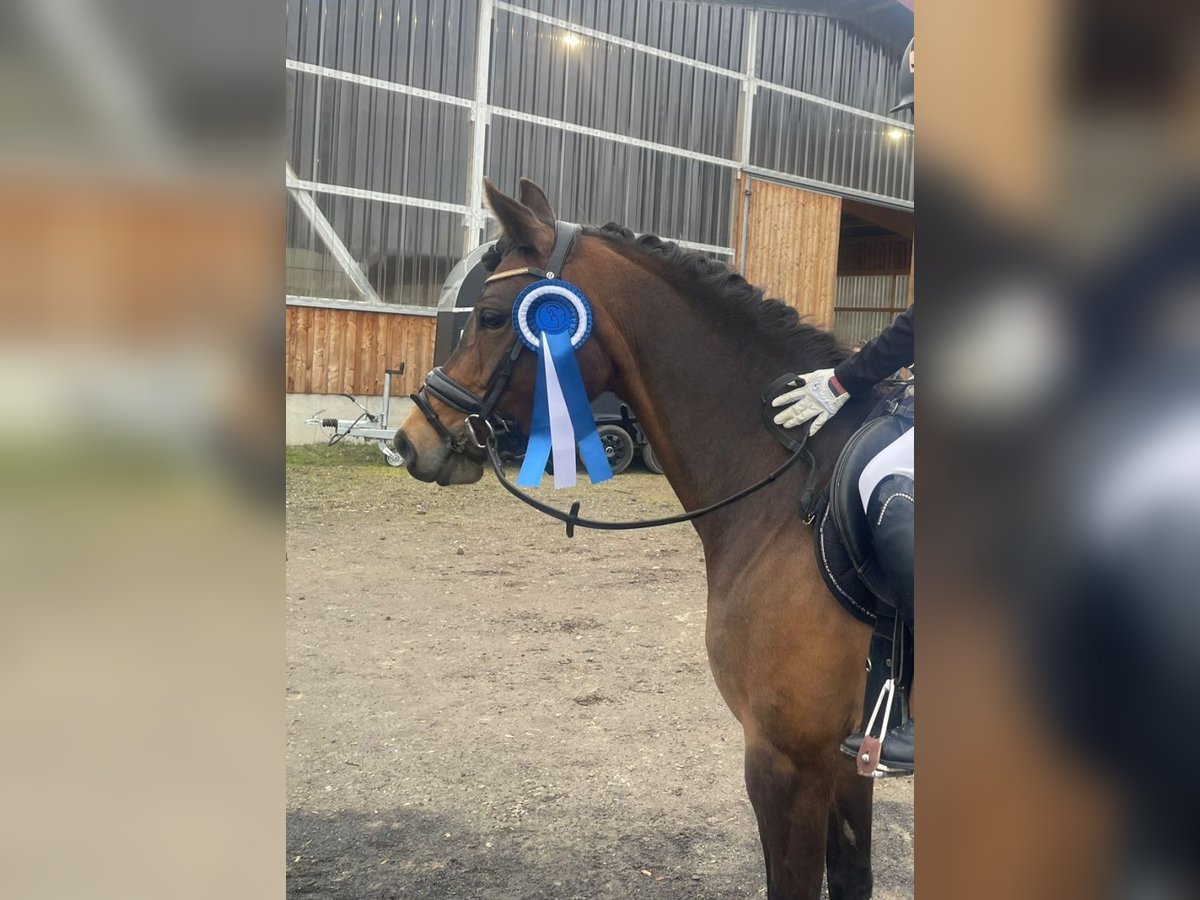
[715, 282]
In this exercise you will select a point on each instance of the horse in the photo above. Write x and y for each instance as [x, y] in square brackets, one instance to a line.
[691, 346]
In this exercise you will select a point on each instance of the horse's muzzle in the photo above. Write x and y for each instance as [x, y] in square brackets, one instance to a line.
[423, 458]
[405, 448]
[429, 458]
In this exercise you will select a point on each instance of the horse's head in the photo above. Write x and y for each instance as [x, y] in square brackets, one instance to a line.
[488, 369]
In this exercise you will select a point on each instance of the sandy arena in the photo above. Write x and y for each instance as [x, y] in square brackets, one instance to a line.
[480, 708]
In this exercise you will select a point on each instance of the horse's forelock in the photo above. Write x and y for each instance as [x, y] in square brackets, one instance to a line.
[492, 257]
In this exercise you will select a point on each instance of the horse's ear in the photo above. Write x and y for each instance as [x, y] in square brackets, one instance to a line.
[535, 198]
[519, 222]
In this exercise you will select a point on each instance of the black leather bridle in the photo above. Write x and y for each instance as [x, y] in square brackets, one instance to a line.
[481, 410]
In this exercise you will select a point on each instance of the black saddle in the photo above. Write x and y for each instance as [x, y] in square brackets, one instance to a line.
[845, 502]
[841, 533]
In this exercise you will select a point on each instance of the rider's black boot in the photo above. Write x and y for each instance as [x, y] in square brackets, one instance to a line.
[897, 754]
[891, 516]
[899, 749]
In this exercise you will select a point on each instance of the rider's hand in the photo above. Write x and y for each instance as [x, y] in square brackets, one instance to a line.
[819, 398]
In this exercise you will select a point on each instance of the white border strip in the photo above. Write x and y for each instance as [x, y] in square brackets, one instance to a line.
[703, 248]
[329, 236]
[366, 81]
[826, 188]
[613, 39]
[359, 194]
[476, 221]
[330, 303]
[813, 98]
[612, 136]
[359, 306]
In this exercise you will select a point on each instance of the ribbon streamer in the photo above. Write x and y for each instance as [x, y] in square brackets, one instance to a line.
[538, 449]
[580, 411]
[552, 318]
[562, 434]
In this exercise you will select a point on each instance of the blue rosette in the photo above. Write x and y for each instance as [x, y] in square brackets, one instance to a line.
[554, 319]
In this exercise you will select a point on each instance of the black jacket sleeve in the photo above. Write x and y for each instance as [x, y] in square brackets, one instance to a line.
[892, 350]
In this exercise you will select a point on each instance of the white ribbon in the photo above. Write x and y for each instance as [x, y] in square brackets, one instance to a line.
[562, 433]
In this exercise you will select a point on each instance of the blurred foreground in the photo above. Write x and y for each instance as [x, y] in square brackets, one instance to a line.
[1057, 270]
[140, 457]
[140, 449]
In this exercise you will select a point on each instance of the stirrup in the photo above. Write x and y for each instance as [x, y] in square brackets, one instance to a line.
[866, 755]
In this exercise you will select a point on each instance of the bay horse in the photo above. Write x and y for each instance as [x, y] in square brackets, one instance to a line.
[692, 346]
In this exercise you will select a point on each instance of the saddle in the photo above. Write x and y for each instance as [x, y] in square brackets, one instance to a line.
[841, 532]
[846, 557]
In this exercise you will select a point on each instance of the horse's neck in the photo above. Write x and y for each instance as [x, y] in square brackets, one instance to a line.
[698, 396]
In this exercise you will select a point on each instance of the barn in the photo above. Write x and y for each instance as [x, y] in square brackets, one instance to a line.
[758, 136]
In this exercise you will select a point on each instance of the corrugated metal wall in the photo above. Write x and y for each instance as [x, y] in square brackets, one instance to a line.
[866, 304]
[410, 149]
[873, 285]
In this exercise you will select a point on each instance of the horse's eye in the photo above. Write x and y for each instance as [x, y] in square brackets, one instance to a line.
[492, 318]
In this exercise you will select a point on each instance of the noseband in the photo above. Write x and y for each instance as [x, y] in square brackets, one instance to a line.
[479, 409]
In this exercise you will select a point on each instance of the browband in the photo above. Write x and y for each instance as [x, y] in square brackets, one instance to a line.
[565, 235]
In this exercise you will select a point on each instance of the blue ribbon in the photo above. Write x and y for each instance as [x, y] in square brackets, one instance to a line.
[582, 421]
[537, 452]
[551, 324]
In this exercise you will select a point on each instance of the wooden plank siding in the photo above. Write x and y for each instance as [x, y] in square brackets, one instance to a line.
[792, 246]
[333, 351]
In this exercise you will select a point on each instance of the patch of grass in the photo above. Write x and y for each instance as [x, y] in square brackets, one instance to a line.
[344, 453]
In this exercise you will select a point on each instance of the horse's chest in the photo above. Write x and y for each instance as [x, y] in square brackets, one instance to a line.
[733, 638]
[765, 650]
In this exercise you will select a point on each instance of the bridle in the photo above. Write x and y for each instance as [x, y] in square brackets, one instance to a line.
[480, 411]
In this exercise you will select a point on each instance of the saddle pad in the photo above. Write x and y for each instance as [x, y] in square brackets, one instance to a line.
[838, 569]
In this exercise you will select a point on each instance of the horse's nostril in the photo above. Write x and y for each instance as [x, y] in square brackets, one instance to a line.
[405, 448]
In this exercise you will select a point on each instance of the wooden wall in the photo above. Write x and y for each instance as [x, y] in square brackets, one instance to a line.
[331, 351]
[792, 246]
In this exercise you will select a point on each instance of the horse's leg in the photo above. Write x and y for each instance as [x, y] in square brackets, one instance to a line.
[792, 807]
[848, 852]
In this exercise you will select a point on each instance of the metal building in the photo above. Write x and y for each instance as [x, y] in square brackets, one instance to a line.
[673, 117]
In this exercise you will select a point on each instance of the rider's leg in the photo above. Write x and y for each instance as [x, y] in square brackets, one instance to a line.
[897, 458]
[891, 512]
[887, 490]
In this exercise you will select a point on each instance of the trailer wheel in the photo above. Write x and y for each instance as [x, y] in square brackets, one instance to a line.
[618, 447]
[651, 460]
[393, 458]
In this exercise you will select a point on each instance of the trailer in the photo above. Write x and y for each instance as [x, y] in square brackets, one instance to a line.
[368, 426]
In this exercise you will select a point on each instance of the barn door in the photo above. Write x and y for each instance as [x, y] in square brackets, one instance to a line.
[790, 245]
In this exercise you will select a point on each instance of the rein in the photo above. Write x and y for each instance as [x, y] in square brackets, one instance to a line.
[571, 519]
[479, 412]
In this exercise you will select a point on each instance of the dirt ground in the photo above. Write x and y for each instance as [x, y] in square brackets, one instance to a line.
[478, 707]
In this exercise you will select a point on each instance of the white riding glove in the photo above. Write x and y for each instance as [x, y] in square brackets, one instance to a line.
[816, 400]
